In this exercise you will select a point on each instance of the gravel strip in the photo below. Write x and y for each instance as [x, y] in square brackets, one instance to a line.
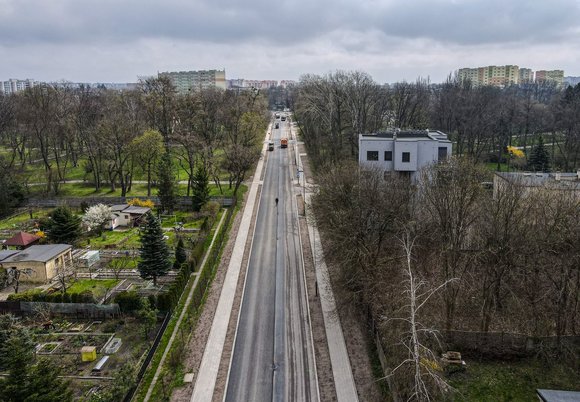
[323, 365]
[196, 345]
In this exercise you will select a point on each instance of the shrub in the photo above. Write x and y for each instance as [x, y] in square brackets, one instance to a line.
[210, 209]
[128, 301]
[152, 301]
[87, 297]
[142, 203]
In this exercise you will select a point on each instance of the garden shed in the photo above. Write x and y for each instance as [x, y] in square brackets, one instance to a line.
[39, 263]
[22, 240]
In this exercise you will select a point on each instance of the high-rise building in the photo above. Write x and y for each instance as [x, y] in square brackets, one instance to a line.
[186, 81]
[556, 76]
[526, 75]
[491, 75]
[13, 85]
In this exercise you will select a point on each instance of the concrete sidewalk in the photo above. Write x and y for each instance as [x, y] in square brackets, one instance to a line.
[208, 369]
[339, 359]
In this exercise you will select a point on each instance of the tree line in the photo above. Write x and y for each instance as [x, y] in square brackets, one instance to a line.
[209, 134]
[503, 261]
[481, 120]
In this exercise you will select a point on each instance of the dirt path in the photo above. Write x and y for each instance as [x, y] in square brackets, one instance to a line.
[196, 345]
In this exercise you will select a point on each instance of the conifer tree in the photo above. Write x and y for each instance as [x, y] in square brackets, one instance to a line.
[166, 184]
[30, 379]
[63, 226]
[200, 188]
[539, 158]
[180, 254]
[155, 259]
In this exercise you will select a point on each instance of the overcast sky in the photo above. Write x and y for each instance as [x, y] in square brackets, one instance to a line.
[393, 40]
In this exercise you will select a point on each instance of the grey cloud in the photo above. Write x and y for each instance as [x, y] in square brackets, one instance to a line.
[231, 21]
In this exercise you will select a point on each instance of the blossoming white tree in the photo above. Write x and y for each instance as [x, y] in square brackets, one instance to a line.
[96, 217]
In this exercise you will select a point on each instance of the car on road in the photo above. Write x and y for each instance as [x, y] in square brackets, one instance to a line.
[284, 143]
[270, 146]
[277, 125]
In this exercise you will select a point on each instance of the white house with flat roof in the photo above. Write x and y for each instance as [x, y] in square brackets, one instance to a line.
[406, 152]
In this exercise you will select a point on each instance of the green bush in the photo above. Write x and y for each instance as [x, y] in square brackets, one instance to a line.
[129, 301]
[152, 301]
[24, 296]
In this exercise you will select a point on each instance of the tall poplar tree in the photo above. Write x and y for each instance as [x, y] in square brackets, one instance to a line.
[155, 258]
[166, 185]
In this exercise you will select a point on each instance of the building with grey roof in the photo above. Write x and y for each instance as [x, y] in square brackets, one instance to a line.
[403, 151]
[558, 183]
[38, 263]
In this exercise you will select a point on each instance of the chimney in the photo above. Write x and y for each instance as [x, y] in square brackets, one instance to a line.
[578, 174]
[558, 176]
[395, 133]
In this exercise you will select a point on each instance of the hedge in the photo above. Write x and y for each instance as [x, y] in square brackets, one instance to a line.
[37, 295]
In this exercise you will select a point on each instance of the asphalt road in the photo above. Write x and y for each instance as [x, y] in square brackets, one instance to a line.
[273, 355]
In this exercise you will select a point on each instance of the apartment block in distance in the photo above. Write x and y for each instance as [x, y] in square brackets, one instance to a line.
[405, 152]
[526, 75]
[186, 81]
[556, 76]
[491, 75]
[13, 85]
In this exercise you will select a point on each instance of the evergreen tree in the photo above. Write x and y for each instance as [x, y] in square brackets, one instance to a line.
[180, 254]
[166, 183]
[63, 226]
[155, 259]
[200, 187]
[28, 380]
[45, 386]
[539, 158]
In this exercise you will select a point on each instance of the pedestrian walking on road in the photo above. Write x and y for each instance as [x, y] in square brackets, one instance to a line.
[276, 201]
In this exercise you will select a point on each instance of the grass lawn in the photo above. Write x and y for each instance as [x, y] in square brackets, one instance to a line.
[97, 286]
[511, 381]
[23, 221]
[493, 167]
[126, 239]
[138, 189]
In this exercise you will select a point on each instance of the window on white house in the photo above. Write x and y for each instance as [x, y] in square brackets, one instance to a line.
[388, 156]
[372, 155]
[406, 156]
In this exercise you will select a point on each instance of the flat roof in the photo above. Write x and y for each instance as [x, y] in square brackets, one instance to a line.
[410, 135]
[551, 395]
[41, 253]
[568, 181]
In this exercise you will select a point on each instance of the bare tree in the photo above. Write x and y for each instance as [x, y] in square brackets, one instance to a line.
[421, 363]
[449, 199]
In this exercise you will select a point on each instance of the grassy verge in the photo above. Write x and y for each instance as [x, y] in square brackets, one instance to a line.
[172, 370]
[511, 381]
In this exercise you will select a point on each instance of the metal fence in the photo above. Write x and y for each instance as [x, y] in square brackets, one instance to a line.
[76, 201]
[74, 310]
[149, 357]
